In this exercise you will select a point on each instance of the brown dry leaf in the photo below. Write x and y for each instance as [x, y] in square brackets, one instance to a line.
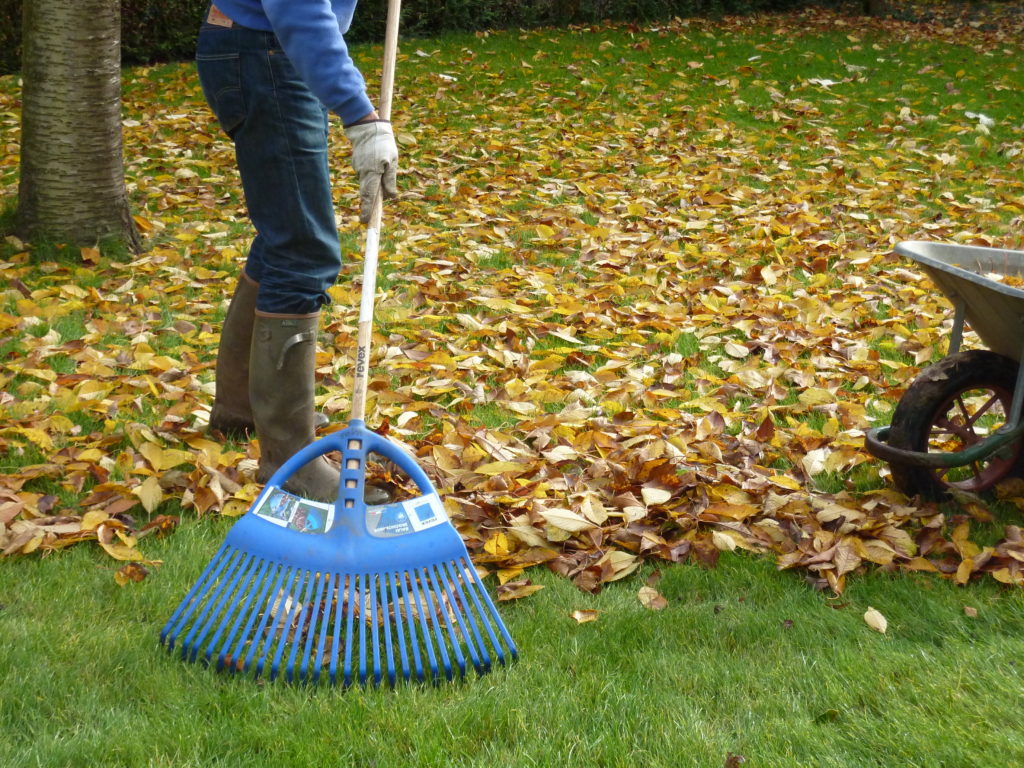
[652, 599]
[131, 572]
[516, 590]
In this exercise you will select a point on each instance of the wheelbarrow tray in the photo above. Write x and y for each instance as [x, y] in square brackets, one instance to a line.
[968, 276]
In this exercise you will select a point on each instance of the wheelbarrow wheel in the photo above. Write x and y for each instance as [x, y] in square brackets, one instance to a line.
[949, 407]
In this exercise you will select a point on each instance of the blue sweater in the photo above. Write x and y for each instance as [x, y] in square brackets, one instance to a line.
[311, 32]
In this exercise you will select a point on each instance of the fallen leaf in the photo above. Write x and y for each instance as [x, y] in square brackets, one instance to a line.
[875, 620]
[652, 599]
[516, 590]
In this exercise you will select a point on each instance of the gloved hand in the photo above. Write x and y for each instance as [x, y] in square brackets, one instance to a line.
[375, 159]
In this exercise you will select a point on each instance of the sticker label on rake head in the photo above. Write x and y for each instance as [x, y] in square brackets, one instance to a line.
[405, 517]
[295, 512]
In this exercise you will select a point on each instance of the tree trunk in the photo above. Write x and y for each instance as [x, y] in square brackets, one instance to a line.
[875, 8]
[72, 185]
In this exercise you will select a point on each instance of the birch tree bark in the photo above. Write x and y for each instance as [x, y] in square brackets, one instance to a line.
[72, 186]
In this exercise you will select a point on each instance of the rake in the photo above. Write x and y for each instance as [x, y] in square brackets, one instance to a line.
[342, 591]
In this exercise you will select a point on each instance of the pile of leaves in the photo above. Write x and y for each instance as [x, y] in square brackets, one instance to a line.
[630, 310]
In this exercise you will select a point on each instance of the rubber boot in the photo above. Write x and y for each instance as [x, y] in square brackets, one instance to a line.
[281, 388]
[232, 410]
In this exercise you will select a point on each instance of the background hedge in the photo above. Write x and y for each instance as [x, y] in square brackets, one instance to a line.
[165, 30]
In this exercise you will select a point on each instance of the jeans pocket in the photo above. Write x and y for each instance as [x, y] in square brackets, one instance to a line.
[220, 76]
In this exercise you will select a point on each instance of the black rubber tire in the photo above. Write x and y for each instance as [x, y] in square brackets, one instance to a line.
[924, 406]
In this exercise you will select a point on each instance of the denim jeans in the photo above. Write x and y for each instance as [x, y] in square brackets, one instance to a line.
[279, 129]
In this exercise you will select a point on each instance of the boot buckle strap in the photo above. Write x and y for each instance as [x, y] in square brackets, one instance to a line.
[292, 341]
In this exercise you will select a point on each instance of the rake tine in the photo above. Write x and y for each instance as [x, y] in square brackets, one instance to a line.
[371, 594]
[429, 620]
[349, 629]
[243, 582]
[460, 658]
[442, 646]
[214, 603]
[306, 611]
[290, 605]
[264, 618]
[411, 624]
[492, 614]
[186, 606]
[363, 629]
[382, 580]
[249, 600]
[421, 608]
[283, 604]
[339, 610]
[475, 589]
[477, 651]
[323, 580]
[399, 624]
[411, 608]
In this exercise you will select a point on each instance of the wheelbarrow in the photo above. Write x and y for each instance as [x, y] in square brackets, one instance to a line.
[958, 426]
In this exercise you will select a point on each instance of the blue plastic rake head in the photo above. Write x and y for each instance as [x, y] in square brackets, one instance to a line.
[347, 594]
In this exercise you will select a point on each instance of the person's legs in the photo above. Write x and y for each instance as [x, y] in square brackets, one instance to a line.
[280, 133]
[281, 148]
[242, 77]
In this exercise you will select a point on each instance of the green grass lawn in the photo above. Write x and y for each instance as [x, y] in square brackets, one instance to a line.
[744, 660]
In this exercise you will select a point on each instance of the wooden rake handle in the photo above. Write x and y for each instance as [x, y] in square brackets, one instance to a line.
[372, 248]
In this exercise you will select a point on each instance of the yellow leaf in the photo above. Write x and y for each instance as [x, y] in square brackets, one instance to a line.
[150, 493]
[497, 544]
[1004, 576]
[875, 620]
[37, 436]
[93, 519]
[498, 467]
[33, 544]
[723, 541]
[921, 564]
[964, 571]
[735, 349]
[560, 453]
[620, 563]
[161, 459]
[505, 575]
[784, 482]
[813, 396]
[234, 508]
[585, 615]
[565, 519]
[653, 496]
[961, 540]
[121, 551]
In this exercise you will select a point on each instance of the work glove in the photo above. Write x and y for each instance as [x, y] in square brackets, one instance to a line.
[375, 159]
